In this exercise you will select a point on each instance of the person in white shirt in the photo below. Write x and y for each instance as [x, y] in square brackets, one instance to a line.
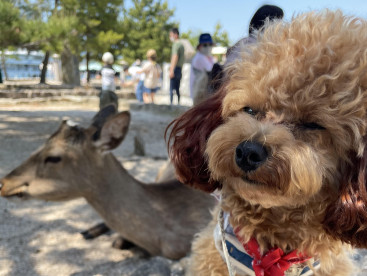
[201, 66]
[138, 79]
[108, 95]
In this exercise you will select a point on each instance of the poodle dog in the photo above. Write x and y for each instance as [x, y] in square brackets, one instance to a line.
[284, 142]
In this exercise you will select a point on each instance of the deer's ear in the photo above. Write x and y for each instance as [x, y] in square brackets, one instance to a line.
[113, 131]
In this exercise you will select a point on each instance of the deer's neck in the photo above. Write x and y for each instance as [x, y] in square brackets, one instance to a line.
[114, 189]
[124, 203]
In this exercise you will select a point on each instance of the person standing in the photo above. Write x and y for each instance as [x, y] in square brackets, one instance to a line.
[138, 78]
[177, 61]
[201, 67]
[152, 72]
[108, 95]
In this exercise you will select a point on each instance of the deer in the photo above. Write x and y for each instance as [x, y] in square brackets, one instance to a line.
[161, 218]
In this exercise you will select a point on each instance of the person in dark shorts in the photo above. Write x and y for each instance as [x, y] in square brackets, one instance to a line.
[177, 61]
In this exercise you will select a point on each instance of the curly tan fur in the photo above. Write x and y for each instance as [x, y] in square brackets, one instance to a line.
[310, 193]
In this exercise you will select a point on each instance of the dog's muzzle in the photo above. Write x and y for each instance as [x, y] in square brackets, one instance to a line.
[250, 155]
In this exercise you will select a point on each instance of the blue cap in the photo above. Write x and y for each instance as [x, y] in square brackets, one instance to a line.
[205, 38]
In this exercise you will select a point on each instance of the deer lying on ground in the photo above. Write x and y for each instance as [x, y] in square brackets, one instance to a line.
[74, 162]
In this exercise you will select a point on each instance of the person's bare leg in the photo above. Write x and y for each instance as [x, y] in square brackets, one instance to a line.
[146, 98]
[152, 97]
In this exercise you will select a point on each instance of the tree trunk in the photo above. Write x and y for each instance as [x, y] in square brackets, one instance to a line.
[88, 72]
[70, 68]
[44, 67]
[3, 64]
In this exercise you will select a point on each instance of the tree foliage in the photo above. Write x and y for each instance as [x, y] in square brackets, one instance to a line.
[48, 27]
[192, 36]
[73, 26]
[10, 25]
[10, 29]
[98, 22]
[219, 36]
[146, 25]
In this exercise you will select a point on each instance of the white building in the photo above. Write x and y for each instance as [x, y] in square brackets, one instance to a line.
[21, 64]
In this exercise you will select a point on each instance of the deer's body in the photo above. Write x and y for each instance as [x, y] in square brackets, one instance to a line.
[160, 218]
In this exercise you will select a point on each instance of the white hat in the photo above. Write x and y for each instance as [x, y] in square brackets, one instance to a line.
[107, 58]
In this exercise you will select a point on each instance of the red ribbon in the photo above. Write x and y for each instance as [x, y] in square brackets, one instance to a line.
[274, 262]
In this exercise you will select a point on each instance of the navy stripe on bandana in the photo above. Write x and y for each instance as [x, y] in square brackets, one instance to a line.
[241, 257]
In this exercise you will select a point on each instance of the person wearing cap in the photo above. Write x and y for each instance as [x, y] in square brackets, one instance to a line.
[261, 16]
[201, 66]
[152, 72]
[108, 95]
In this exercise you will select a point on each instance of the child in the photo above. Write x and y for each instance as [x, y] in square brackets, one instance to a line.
[108, 95]
[152, 72]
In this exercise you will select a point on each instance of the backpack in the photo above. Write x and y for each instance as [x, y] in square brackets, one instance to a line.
[201, 85]
[189, 50]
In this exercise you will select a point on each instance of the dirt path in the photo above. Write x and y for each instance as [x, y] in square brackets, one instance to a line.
[42, 238]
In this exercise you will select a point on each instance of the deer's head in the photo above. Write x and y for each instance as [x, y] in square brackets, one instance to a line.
[70, 159]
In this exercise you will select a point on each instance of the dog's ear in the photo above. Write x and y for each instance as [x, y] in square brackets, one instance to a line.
[346, 218]
[187, 141]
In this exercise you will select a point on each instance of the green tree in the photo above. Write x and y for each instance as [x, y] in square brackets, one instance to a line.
[192, 36]
[10, 26]
[35, 15]
[146, 25]
[74, 29]
[48, 27]
[220, 37]
[98, 27]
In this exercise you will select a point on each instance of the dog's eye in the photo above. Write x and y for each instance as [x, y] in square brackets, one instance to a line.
[312, 126]
[53, 159]
[249, 110]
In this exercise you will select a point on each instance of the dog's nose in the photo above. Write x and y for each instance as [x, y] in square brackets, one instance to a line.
[250, 155]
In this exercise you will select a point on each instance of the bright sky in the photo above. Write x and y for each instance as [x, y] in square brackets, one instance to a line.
[235, 15]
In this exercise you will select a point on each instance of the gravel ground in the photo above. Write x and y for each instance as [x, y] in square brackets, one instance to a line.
[42, 238]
